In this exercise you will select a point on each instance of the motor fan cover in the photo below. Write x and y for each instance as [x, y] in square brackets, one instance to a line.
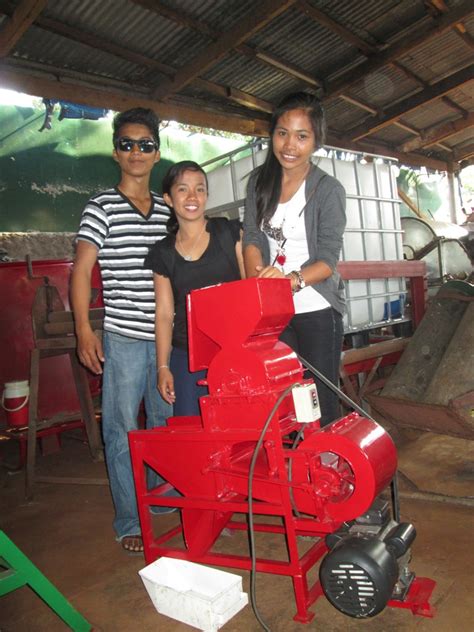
[358, 576]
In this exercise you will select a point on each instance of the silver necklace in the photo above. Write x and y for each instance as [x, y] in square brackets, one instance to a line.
[188, 255]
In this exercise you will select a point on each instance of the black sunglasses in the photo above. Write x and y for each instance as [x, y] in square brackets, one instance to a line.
[146, 146]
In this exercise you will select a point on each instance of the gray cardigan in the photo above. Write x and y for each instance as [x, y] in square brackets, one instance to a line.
[325, 221]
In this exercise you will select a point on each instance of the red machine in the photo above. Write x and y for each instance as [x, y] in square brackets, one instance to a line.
[326, 483]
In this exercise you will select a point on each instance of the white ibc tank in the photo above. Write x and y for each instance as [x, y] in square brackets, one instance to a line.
[373, 231]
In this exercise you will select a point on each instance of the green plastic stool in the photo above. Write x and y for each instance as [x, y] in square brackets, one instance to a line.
[20, 572]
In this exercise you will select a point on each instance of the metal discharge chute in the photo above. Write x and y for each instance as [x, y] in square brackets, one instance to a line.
[326, 486]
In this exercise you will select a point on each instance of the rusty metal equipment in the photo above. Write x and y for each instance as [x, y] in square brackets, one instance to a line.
[439, 245]
[431, 387]
[18, 292]
[326, 483]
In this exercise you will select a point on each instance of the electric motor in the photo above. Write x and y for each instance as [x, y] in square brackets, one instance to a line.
[359, 574]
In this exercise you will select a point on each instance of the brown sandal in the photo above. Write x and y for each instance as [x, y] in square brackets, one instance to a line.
[132, 544]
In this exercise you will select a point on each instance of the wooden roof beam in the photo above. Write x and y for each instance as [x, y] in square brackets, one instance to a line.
[408, 73]
[225, 92]
[93, 80]
[102, 44]
[413, 102]
[281, 64]
[233, 94]
[454, 106]
[434, 135]
[180, 17]
[362, 105]
[391, 53]
[466, 163]
[116, 99]
[265, 11]
[249, 101]
[460, 30]
[445, 147]
[463, 153]
[91, 40]
[201, 27]
[22, 18]
[437, 7]
[381, 149]
[407, 128]
[322, 18]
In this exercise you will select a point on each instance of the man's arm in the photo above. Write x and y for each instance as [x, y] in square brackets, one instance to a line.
[89, 347]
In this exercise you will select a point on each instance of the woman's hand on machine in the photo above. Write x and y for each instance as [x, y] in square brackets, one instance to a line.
[166, 384]
[269, 272]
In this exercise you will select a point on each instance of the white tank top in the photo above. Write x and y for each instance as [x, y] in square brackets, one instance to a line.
[287, 216]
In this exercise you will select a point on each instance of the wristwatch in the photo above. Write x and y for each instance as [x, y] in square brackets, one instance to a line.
[301, 281]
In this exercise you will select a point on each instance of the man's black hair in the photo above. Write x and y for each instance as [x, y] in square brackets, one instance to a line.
[139, 116]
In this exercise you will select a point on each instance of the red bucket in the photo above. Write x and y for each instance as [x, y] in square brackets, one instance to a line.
[15, 403]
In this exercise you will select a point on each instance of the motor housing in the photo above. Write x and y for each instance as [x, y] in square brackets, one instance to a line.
[367, 564]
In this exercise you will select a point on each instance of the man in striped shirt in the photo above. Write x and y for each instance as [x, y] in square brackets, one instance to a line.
[118, 226]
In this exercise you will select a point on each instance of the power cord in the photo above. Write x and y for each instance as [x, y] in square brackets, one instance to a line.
[290, 472]
[253, 570]
[349, 402]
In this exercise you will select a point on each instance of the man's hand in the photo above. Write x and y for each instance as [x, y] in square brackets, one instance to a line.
[89, 350]
[166, 385]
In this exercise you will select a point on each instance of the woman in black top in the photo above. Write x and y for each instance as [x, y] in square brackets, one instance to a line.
[197, 252]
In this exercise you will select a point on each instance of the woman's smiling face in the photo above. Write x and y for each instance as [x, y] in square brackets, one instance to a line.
[188, 195]
[293, 140]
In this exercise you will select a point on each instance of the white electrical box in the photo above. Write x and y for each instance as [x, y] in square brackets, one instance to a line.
[306, 401]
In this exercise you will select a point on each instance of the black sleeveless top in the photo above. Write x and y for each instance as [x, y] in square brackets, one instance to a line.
[217, 264]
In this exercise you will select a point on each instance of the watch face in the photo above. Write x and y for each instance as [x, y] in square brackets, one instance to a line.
[301, 281]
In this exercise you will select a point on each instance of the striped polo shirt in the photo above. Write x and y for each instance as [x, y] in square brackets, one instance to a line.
[123, 236]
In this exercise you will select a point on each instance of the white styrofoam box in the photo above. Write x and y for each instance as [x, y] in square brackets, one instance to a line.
[202, 597]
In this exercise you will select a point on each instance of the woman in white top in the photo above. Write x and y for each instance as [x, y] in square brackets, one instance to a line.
[293, 227]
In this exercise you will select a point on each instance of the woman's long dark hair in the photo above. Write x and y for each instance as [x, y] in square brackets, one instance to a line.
[268, 182]
[170, 178]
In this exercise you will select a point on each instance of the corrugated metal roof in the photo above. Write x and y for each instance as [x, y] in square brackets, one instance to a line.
[317, 48]
[384, 87]
[252, 76]
[220, 15]
[436, 58]
[118, 30]
[373, 21]
[49, 48]
[433, 113]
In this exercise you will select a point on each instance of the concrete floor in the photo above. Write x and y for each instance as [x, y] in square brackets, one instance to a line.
[66, 531]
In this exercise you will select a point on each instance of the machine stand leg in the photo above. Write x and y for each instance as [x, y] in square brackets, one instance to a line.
[300, 586]
[418, 598]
